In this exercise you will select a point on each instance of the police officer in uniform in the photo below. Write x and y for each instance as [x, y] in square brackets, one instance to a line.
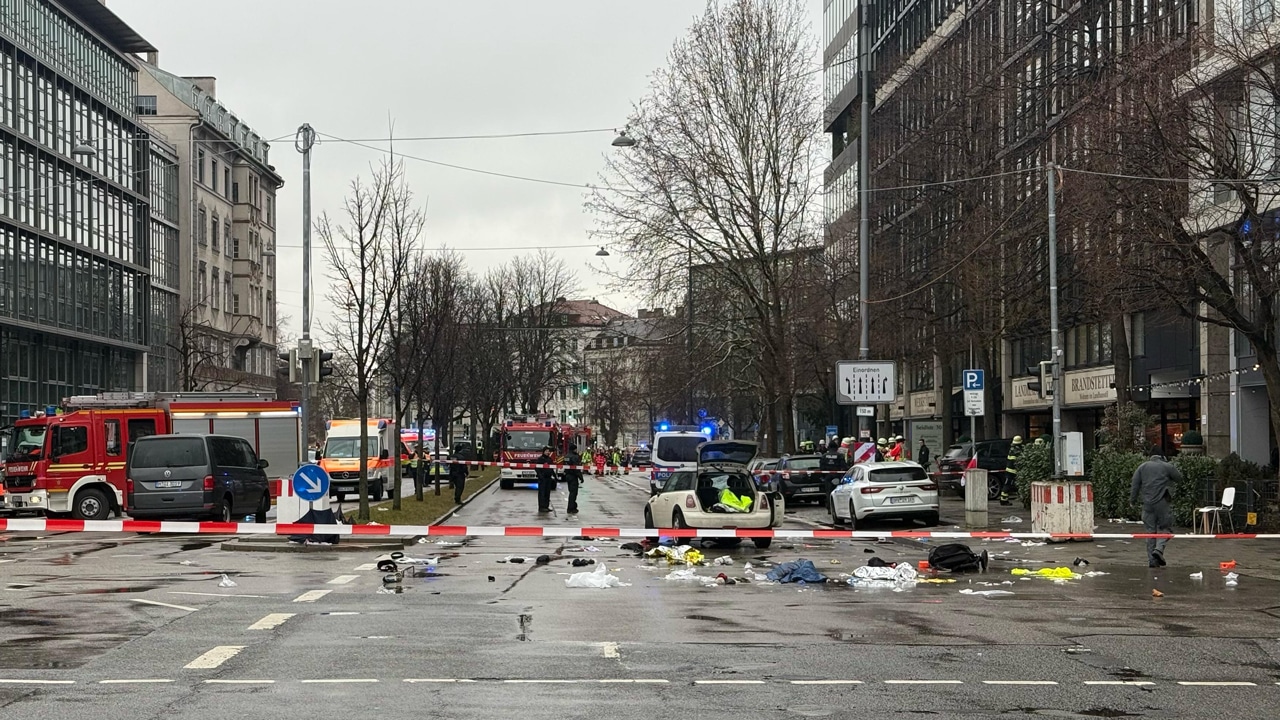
[573, 476]
[1009, 488]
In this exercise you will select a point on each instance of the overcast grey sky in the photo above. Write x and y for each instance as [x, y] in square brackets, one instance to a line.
[434, 67]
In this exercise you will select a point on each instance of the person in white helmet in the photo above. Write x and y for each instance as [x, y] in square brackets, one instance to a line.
[882, 447]
[1009, 488]
[899, 449]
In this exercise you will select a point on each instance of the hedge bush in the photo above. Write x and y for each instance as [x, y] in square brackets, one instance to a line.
[1034, 465]
[1198, 471]
[1112, 476]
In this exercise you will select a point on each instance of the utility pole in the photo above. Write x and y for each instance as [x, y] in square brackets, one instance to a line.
[1054, 349]
[689, 334]
[303, 142]
[864, 183]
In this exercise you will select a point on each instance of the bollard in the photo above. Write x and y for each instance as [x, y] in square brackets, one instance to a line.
[975, 498]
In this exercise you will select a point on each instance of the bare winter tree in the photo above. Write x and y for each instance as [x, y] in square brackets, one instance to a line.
[1185, 142]
[369, 253]
[538, 286]
[192, 340]
[723, 174]
[489, 349]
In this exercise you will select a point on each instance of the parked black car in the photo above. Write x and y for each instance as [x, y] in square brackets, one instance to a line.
[993, 456]
[802, 478]
[216, 476]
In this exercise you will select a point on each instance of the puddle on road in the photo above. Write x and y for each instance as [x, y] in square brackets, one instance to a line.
[42, 640]
[197, 545]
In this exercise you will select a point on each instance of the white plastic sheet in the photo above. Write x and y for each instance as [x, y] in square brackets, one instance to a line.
[226, 582]
[903, 571]
[986, 593]
[599, 578]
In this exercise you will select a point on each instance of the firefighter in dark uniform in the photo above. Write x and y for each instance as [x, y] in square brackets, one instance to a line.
[573, 476]
[1009, 488]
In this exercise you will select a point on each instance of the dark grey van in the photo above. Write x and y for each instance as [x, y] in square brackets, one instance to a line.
[216, 476]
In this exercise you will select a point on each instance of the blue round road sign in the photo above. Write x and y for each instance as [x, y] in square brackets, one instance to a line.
[310, 482]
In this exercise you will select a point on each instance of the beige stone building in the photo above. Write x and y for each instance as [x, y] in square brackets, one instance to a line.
[225, 331]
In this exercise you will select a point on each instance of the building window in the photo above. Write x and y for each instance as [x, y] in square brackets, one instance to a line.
[226, 286]
[226, 234]
[226, 182]
[144, 104]
[271, 309]
[235, 192]
[235, 303]
[235, 248]
[202, 285]
[200, 165]
[202, 226]
[214, 232]
[213, 176]
[217, 287]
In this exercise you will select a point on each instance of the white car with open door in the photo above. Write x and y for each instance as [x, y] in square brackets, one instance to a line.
[900, 490]
[697, 498]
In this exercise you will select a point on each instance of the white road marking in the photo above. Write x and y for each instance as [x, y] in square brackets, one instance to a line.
[174, 592]
[728, 682]
[826, 682]
[366, 566]
[1217, 684]
[1019, 682]
[311, 595]
[339, 613]
[609, 649]
[271, 621]
[437, 680]
[161, 604]
[7, 561]
[239, 682]
[136, 681]
[343, 579]
[637, 681]
[17, 681]
[539, 682]
[1135, 683]
[923, 682]
[341, 680]
[214, 657]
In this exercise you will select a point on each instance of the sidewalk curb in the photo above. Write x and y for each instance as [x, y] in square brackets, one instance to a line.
[440, 520]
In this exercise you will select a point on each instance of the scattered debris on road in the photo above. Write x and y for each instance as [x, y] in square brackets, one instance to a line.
[599, 578]
[226, 582]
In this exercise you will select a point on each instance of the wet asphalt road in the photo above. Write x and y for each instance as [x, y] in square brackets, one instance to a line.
[128, 627]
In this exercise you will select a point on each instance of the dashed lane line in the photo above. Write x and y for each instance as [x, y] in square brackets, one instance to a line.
[136, 681]
[271, 621]
[311, 596]
[923, 682]
[164, 604]
[365, 567]
[826, 682]
[339, 681]
[637, 681]
[540, 682]
[20, 681]
[239, 682]
[175, 592]
[1019, 682]
[219, 655]
[343, 579]
[214, 658]
[437, 680]
[728, 682]
[1197, 683]
[1134, 683]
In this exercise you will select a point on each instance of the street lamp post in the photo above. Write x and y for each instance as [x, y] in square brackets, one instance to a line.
[303, 142]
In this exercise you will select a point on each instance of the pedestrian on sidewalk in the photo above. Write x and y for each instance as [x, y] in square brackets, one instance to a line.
[922, 455]
[1153, 484]
[458, 474]
[573, 476]
[546, 475]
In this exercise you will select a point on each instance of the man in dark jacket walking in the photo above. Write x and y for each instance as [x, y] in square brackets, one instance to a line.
[1153, 484]
[546, 479]
[573, 476]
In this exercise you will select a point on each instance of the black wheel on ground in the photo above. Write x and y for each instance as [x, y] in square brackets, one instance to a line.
[831, 508]
[853, 517]
[678, 522]
[931, 520]
[264, 507]
[341, 497]
[762, 543]
[506, 484]
[91, 504]
[649, 525]
[376, 493]
[391, 491]
[222, 511]
[993, 487]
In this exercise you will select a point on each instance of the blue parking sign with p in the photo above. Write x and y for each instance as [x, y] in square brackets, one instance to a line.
[973, 380]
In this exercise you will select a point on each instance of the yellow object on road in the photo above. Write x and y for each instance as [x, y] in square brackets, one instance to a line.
[1058, 573]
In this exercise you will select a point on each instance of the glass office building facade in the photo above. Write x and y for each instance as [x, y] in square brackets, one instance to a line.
[75, 256]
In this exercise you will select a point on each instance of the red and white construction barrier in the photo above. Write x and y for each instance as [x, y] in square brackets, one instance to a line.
[620, 468]
[217, 528]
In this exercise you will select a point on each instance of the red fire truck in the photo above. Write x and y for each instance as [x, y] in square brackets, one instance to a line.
[522, 441]
[71, 461]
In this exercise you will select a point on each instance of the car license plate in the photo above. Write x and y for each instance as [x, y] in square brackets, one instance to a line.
[901, 500]
[809, 489]
[169, 484]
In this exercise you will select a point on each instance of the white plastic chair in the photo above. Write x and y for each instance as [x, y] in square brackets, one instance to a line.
[1216, 511]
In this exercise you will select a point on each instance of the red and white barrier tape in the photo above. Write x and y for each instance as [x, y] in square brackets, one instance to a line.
[614, 468]
[217, 528]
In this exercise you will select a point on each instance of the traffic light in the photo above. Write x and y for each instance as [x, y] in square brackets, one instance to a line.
[290, 367]
[1044, 385]
[584, 388]
[321, 364]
